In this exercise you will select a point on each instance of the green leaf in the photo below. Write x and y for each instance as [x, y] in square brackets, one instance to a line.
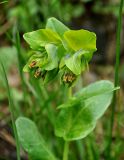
[8, 57]
[56, 26]
[94, 89]
[31, 140]
[81, 39]
[73, 123]
[39, 38]
[77, 63]
[79, 115]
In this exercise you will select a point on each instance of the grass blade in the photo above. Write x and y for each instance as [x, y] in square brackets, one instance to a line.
[11, 108]
[20, 65]
[3, 2]
[116, 80]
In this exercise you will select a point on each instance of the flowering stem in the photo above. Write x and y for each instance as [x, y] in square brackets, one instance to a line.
[66, 150]
[66, 145]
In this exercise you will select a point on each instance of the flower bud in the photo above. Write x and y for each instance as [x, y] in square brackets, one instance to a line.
[37, 73]
[68, 78]
[32, 64]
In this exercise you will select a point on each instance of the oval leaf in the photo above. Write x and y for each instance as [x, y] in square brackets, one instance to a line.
[31, 140]
[79, 115]
[73, 123]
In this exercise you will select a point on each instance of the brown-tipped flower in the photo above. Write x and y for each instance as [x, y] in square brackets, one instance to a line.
[32, 64]
[37, 73]
[68, 78]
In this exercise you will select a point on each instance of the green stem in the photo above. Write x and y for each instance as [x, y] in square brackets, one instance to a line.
[118, 44]
[116, 81]
[66, 145]
[69, 92]
[80, 148]
[66, 150]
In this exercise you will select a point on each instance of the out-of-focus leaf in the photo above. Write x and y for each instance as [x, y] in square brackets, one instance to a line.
[31, 140]
[81, 39]
[78, 11]
[8, 57]
[39, 38]
[85, 1]
[77, 120]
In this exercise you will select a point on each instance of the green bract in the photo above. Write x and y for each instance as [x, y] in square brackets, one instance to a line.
[57, 47]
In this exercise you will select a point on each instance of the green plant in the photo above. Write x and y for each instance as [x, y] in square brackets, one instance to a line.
[116, 78]
[60, 52]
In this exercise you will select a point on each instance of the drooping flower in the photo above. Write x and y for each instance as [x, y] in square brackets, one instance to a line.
[57, 48]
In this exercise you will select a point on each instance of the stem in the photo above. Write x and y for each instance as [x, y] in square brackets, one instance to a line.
[69, 92]
[66, 145]
[118, 44]
[66, 150]
[116, 80]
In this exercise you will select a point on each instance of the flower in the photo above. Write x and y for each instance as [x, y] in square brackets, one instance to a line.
[57, 49]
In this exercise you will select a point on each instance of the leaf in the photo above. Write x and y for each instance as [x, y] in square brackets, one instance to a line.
[8, 57]
[31, 140]
[76, 63]
[57, 26]
[94, 89]
[39, 38]
[73, 124]
[81, 39]
[78, 116]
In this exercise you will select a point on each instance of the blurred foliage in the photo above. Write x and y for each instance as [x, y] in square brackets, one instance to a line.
[8, 57]
[106, 9]
[32, 14]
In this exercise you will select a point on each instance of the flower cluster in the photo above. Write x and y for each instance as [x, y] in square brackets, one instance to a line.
[57, 50]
